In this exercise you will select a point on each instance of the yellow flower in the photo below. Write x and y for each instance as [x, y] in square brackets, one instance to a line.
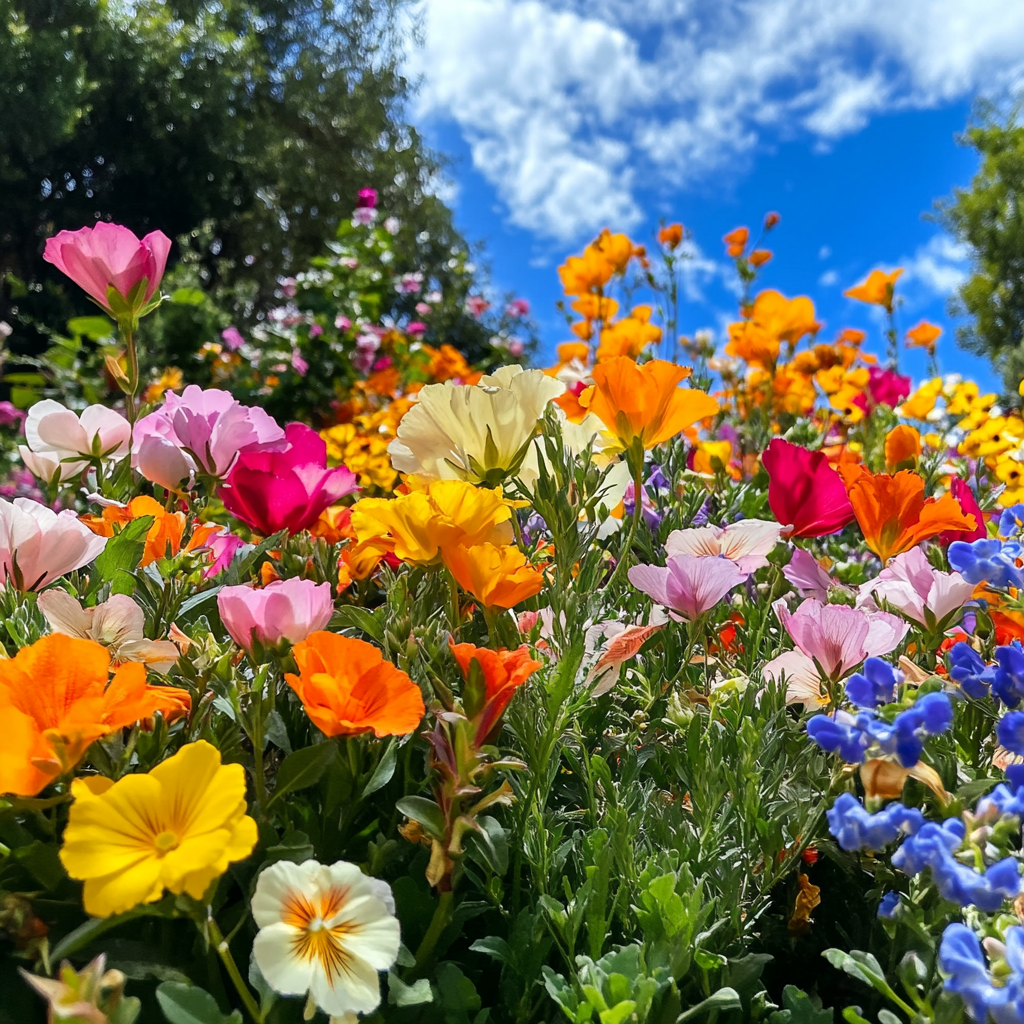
[1010, 472]
[922, 401]
[420, 523]
[177, 827]
[498, 576]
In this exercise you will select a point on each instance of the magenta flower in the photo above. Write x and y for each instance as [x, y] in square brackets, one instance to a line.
[961, 490]
[286, 489]
[367, 198]
[285, 610]
[688, 585]
[208, 428]
[109, 256]
[838, 637]
[232, 337]
[887, 387]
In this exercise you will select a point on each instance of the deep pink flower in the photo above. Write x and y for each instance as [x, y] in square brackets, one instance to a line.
[285, 610]
[232, 337]
[887, 387]
[222, 546]
[688, 585]
[805, 493]
[367, 198]
[110, 256]
[961, 490]
[10, 414]
[287, 489]
[416, 327]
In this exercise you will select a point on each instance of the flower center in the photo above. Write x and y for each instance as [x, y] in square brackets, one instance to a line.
[165, 842]
[316, 925]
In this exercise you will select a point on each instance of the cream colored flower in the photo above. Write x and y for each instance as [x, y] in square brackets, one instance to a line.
[325, 930]
[475, 432]
[117, 623]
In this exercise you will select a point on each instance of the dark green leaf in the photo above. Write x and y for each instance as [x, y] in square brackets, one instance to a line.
[303, 768]
[189, 1004]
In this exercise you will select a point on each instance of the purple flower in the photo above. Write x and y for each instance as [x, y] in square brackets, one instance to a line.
[688, 585]
[232, 337]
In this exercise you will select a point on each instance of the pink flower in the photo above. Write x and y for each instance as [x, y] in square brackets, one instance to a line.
[285, 610]
[10, 414]
[838, 637]
[288, 286]
[363, 216]
[805, 493]
[887, 387]
[37, 545]
[518, 308]
[925, 595]
[342, 322]
[477, 305]
[803, 683]
[688, 585]
[222, 546]
[411, 283]
[299, 365]
[961, 490]
[805, 573]
[209, 428]
[422, 309]
[747, 543]
[109, 256]
[367, 198]
[61, 442]
[416, 328]
[515, 347]
[286, 489]
[232, 337]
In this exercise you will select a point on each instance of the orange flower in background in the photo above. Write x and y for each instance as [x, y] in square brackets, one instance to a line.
[447, 363]
[595, 307]
[671, 236]
[770, 220]
[759, 257]
[569, 402]
[902, 444]
[502, 672]
[57, 697]
[894, 514]
[498, 576]
[587, 273]
[645, 403]
[334, 525]
[573, 350]
[347, 688]
[163, 540]
[876, 289]
[924, 335]
[711, 457]
[736, 241]
[629, 336]
[618, 250]
[771, 320]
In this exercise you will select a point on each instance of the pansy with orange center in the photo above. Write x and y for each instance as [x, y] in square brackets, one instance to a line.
[347, 688]
[876, 289]
[894, 514]
[924, 335]
[644, 404]
[498, 576]
[57, 697]
[492, 683]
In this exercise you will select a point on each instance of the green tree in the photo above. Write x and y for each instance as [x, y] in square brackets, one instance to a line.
[988, 216]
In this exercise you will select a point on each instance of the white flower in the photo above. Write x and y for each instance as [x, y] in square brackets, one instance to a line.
[326, 931]
[117, 623]
[55, 436]
[475, 432]
[37, 544]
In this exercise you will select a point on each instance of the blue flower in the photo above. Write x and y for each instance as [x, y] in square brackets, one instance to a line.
[1002, 800]
[855, 829]
[840, 734]
[967, 669]
[961, 958]
[1008, 681]
[986, 561]
[875, 685]
[889, 902]
[1010, 731]
[1011, 521]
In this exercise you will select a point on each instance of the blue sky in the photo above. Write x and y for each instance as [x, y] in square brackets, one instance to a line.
[562, 117]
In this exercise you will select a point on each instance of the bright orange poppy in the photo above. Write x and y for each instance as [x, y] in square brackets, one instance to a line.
[165, 535]
[595, 307]
[498, 576]
[759, 257]
[876, 289]
[645, 402]
[347, 688]
[924, 335]
[628, 336]
[618, 250]
[587, 273]
[902, 444]
[736, 241]
[894, 514]
[57, 697]
[671, 236]
[502, 672]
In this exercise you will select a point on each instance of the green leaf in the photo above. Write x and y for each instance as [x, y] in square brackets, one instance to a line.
[385, 769]
[96, 328]
[799, 1009]
[123, 552]
[189, 1004]
[97, 926]
[303, 768]
[723, 999]
[489, 846]
[351, 617]
[400, 994]
[187, 297]
[42, 863]
[425, 811]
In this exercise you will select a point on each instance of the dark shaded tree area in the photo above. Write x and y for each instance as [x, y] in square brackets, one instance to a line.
[241, 129]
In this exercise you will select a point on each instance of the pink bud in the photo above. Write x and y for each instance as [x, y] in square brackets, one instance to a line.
[285, 610]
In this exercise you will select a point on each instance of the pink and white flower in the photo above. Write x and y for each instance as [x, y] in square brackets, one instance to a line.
[285, 610]
[918, 591]
[747, 543]
[688, 585]
[58, 441]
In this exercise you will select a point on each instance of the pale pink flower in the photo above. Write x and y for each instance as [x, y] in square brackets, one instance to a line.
[59, 440]
[110, 256]
[38, 545]
[161, 461]
[806, 574]
[342, 322]
[747, 543]
[518, 308]
[688, 585]
[477, 305]
[285, 610]
[222, 546]
[918, 591]
[838, 637]
[803, 682]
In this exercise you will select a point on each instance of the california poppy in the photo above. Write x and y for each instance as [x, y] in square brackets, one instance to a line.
[498, 576]
[670, 236]
[876, 289]
[902, 445]
[924, 335]
[502, 672]
[736, 241]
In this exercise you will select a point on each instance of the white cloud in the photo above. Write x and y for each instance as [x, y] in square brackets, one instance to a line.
[568, 105]
[936, 268]
[828, 279]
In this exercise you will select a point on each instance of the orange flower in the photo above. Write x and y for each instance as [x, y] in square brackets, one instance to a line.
[165, 535]
[876, 289]
[770, 220]
[894, 514]
[618, 250]
[347, 688]
[502, 672]
[447, 363]
[759, 257]
[771, 320]
[334, 525]
[55, 700]
[629, 336]
[671, 236]
[902, 444]
[595, 307]
[587, 273]
[583, 329]
[569, 403]
[645, 403]
[736, 241]
[573, 350]
[924, 335]
[498, 576]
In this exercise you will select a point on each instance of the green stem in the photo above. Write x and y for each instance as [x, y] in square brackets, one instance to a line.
[224, 952]
[638, 511]
[441, 919]
[130, 407]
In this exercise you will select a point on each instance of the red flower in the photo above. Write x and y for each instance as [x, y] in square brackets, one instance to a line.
[805, 493]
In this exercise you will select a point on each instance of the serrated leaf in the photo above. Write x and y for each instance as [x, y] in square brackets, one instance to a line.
[189, 1004]
[303, 768]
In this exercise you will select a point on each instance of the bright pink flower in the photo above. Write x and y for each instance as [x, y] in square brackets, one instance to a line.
[887, 387]
[839, 637]
[299, 365]
[209, 427]
[367, 198]
[110, 256]
[232, 337]
[285, 610]
[806, 495]
[916, 590]
[688, 585]
[222, 547]
[287, 489]
[477, 305]
[416, 327]
[518, 308]
[10, 414]
[961, 490]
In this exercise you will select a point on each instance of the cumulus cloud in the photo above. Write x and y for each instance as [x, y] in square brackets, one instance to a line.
[569, 105]
[937, 268]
